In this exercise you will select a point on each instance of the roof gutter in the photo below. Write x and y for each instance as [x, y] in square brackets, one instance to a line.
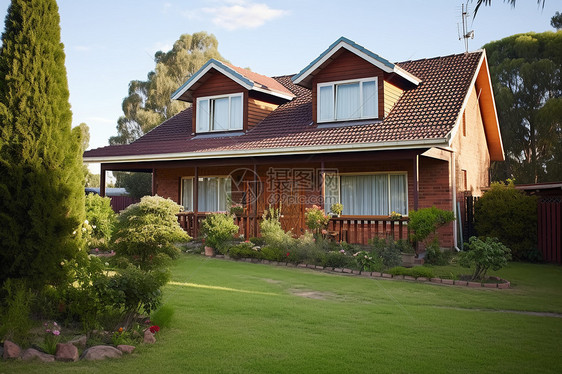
[357, 147]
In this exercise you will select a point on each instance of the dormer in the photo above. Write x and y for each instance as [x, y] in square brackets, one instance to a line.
[351, 83]
[228, 99]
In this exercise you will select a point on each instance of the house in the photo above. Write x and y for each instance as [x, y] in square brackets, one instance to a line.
[351, 127]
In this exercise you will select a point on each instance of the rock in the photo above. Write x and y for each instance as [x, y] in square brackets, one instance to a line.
[11, 350]
[66, 352]
[32, 354]
[126, 348]
[79, 342]
[101, 352]
[149, 337]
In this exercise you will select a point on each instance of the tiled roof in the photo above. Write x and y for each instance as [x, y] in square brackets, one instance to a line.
[426, 112]
[262, 80]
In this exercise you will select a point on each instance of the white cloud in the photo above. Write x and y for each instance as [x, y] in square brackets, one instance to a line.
[240, 14]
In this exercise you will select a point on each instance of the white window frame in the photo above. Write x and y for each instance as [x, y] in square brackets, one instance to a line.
[339, 175]
[210, 119]
[334, 93]
[192, 197]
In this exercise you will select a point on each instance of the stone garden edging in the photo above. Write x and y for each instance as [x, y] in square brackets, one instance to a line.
[505, 284]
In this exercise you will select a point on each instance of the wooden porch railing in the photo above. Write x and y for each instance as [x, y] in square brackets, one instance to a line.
[351, 229]
[360, 229]
[191, 223]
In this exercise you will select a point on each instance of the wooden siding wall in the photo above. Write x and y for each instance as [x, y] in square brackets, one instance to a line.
[218, 84]
[258, 110]
[391, 96]
[348, 65]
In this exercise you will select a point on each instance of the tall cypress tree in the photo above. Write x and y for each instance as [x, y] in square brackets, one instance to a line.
[41, 179]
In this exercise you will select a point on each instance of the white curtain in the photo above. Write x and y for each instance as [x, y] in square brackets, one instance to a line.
[398, 193]
[236, 112]
[367, 195]
[370, 100]
[202, 115]
[220, 114]
[347, 101]
[331, 191]
[326, 103]
[187, 194]
[213, 193]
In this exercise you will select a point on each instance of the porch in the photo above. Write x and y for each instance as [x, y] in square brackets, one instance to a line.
[350, 229]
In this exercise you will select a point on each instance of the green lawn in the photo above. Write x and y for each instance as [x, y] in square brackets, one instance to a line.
[234, 317]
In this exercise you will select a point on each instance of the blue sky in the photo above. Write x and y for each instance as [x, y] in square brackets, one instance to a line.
[108, 43]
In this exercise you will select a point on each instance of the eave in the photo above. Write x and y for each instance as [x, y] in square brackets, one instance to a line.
[354, 147]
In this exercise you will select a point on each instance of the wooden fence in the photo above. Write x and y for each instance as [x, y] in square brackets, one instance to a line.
[119, 203]
[549, 227]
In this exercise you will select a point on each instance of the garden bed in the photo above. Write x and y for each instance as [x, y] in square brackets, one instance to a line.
[464, 281]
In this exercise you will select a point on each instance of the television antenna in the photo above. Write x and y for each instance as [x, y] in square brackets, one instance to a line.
[465, 33]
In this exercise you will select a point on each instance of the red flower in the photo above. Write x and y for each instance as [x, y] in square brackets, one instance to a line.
[287, 254]
[154, 329]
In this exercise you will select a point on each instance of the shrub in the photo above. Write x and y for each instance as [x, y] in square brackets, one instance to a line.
[272, 253]
[484, 254]
[163, 316]
[368, 261]
[339, 259]
[244, 250]
[315, 219]
[387, 250]
[15, 318]
[147, 231]
[219, 229]
[510, 215]
[101, 219]
[425, 222]
[273, 234]
[434, 255]
[132, 290]
[80, 300]
[416, 272]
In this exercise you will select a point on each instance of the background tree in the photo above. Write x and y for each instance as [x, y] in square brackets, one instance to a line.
[527, 79]
[83, 132]
[489, 2]
[137, 184]
[149, 102]
[556, 21]
[41, 180]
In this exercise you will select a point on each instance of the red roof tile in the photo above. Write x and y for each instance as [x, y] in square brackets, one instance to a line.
[428, 111]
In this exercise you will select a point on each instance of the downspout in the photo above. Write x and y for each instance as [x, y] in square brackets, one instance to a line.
[454, 186]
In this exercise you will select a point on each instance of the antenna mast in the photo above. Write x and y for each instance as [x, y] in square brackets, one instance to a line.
[465, 34]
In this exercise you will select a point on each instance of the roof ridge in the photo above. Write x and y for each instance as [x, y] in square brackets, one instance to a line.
[440, 57]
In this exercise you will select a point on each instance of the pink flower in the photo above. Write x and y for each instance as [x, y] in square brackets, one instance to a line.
[48, 330]
[56, 332]
[342, 251]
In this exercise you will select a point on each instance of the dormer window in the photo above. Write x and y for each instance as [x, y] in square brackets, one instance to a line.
[348, 100]
[219, 113]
